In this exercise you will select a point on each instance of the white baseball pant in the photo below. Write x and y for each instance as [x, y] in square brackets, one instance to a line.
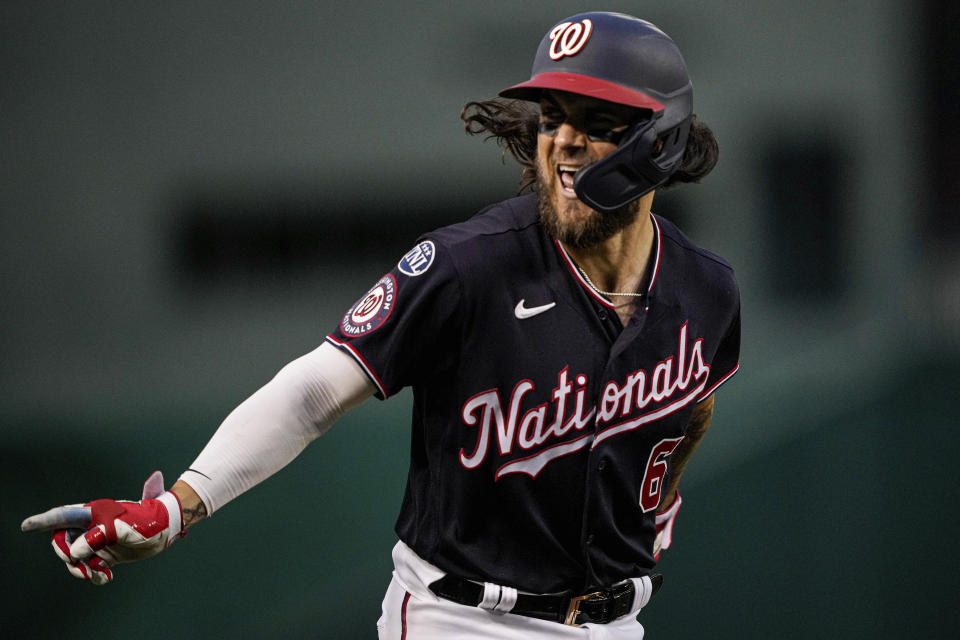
[412, 612]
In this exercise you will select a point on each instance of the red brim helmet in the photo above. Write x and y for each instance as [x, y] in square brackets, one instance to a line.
[621, 59]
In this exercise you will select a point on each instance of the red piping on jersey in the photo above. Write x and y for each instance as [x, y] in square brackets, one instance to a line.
[596, 296]
[403, 616]
[656, 262]
[362, 362]
[708, 392]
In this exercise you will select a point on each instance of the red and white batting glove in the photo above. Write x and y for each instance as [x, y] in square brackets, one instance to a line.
[664, 521]
[90, 538]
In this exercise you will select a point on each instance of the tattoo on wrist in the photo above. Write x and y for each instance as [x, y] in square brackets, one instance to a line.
[194, 515]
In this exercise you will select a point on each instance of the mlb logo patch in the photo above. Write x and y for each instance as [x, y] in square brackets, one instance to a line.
[418, 260]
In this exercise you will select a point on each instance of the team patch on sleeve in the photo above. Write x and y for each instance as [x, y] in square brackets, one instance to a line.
[372, 310]
[418, 260]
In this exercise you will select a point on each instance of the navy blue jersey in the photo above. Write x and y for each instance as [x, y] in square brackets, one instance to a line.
[541, 424]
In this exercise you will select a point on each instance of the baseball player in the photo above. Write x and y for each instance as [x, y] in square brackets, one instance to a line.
[563, 348]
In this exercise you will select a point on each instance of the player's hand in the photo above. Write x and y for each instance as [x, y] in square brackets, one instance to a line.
[90, 538]
[664, 520]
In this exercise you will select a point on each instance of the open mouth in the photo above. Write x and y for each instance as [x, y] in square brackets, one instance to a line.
[566, 173]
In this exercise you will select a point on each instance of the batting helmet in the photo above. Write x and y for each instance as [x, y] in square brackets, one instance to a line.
[622, 59]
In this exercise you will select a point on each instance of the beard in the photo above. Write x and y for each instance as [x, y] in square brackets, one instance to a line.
[585, 233]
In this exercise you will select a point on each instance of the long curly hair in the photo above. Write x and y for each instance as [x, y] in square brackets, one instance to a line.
[513, 124]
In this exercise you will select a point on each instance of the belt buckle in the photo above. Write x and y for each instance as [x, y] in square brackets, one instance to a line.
[574, 609]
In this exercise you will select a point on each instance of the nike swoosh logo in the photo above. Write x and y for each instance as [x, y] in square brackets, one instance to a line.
[523, 312]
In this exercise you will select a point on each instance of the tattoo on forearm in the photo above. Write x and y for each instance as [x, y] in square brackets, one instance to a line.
[680, 456]
[696, 428]
[194, 515]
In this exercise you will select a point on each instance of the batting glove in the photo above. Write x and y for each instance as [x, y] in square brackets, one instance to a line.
[664, 521]
[90, 538]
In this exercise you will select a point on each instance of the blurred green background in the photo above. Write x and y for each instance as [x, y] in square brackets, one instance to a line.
[192, 193]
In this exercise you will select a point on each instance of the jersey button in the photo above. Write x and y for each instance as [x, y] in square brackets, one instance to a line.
[590, 539]
[603, 314]
[602, 465]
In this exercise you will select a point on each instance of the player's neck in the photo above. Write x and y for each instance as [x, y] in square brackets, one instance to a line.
[618, 264]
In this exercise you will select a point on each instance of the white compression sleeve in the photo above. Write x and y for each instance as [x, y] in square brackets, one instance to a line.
[271, 427]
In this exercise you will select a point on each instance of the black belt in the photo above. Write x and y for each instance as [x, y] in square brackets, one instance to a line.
[602, 606]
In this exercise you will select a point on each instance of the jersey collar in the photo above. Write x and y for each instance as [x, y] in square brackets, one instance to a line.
[655, 263]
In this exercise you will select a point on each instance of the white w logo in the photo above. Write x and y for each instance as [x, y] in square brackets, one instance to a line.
[569, 37]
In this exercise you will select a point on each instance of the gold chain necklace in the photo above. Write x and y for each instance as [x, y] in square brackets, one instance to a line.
[633, 294]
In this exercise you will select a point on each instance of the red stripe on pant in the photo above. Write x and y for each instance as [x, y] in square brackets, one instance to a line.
[403, 617]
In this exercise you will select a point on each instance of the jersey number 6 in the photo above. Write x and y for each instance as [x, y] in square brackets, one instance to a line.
[655, 472]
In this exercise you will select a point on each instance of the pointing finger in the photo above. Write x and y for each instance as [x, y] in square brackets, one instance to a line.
[72, 516]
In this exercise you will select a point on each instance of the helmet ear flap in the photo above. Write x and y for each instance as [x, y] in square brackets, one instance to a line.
[635, 168]
[670, 155]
